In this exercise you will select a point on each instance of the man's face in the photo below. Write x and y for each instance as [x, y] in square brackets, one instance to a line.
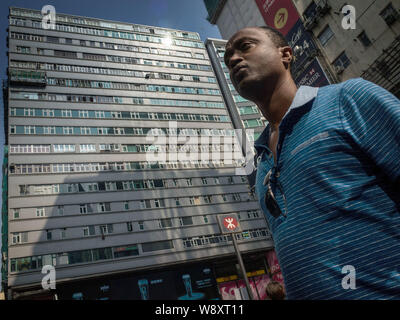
[254, 62]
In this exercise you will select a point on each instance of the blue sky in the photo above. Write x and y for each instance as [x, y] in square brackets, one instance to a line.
[188, 15]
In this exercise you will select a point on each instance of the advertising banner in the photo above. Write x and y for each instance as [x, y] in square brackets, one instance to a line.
[300, 38]
[274, 266]
[279, 14]
[192, 283]
[196, 283]
[236, 290]
[312, 76]
[229, 291]
[261, 285]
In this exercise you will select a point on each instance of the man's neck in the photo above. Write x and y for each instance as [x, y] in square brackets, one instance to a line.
[275, 105]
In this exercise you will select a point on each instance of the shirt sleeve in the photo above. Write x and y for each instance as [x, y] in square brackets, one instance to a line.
[371, 115]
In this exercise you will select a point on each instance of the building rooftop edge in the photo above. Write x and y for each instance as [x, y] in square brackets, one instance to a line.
[112, 21]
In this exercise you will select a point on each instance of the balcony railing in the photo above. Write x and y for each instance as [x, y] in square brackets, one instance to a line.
[385, 70]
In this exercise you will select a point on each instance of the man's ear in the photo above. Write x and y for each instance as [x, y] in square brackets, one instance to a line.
[287, 56]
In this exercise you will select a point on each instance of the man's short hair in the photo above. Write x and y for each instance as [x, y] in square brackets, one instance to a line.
[275, 291]
[277, 38]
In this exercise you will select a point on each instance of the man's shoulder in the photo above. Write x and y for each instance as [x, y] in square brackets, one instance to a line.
[345, 86]
[350, 88]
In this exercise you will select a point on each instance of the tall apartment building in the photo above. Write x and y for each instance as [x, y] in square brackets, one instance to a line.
[244, 113]
[85, 105]
[370, 50]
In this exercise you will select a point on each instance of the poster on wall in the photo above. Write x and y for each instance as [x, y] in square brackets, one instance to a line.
[151, 286]
[312, 76]
[274, 266]
[196, 283]
[229, 291]
[236, 290]
[261, 285]
[300, 39]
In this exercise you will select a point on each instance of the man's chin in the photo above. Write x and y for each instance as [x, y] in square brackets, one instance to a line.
[244, 88]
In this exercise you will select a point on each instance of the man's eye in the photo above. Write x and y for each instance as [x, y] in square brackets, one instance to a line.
[245, 45]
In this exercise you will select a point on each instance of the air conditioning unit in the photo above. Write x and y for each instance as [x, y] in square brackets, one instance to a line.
[390, 19]
[310, 23]
[339, 69]
[323, 7]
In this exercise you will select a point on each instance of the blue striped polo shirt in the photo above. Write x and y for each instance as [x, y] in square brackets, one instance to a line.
[338, 165]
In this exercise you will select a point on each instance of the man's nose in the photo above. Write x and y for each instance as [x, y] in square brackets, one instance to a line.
[234, 60]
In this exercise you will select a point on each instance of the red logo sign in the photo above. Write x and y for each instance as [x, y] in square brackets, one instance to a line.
[279, 14]
[230, 223]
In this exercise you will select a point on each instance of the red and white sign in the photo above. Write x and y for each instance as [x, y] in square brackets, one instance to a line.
[279, 14]
[229, 223]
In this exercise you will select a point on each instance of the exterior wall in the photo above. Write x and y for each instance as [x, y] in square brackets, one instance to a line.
[67, 227]
[238, 14]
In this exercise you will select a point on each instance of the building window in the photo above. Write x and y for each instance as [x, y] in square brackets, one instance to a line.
[207, 199]
[311, 11]
[19, 237]
[341, 62]
[186, 221]
[16, 213]
[103, 207]
[159, 245]
[60, 210]
[159, 203]
[106, 229]
[126, 205]
[389, 14]
[129, 226]
[165, 223]
[363, 38]
[126, 251]
[141, 225]
[40, 212]
[83, 208]
[48, 235]
[236, 197]
[23, 49]
[89, 231]
[63, 233]
[325, 35]
[145, 204]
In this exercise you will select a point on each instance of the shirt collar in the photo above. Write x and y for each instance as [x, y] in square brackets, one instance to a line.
[303, 95]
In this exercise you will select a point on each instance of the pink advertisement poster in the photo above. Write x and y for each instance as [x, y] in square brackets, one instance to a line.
[231, 290]
[274, 266]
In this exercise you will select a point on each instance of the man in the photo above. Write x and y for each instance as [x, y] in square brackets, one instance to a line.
[328, 173]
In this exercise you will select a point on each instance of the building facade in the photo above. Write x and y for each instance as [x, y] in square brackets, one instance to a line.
[367, 46]
[364, 46]
[106, 179]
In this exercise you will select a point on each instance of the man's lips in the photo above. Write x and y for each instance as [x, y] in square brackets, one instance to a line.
[239, 73]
